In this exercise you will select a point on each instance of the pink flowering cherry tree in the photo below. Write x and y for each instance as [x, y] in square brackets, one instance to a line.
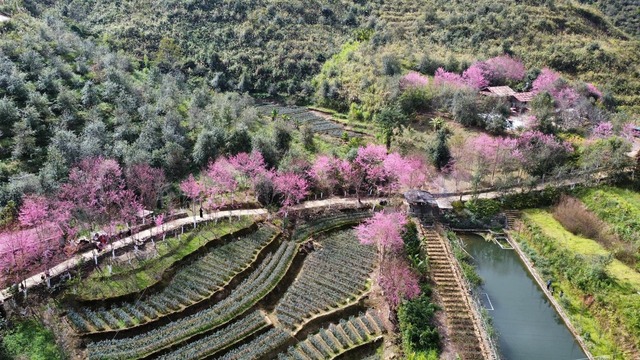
[474, 77]
[413, 79]
[398, 282]
[384, 231]
[159, 223]
[323, 173]
[251, 169]
[193, 190]
[292, 187]
[222, 176]
[546, 81]
[368, 168]
[494, 152]
[504, 68]
[34, 214]
[446, 78]
[603, 130]
[147, 182]
[19, 250]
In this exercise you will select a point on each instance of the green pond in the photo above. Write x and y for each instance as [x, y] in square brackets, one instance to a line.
[527, 325]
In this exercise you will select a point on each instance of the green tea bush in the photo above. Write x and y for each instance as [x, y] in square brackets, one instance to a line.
[416, 318]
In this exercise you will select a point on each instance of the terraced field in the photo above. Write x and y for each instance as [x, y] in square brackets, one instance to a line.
[255, 297]
[191, 285]
[332, 277]
[301, 116]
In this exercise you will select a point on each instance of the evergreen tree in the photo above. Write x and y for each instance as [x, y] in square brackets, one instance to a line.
[440, 153]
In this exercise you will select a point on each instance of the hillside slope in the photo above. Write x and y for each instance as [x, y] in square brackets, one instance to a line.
[264, 45]
[277, 46]
[624, 14]
[576, 40]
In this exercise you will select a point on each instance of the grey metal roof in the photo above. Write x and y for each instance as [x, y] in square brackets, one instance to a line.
[419, 196]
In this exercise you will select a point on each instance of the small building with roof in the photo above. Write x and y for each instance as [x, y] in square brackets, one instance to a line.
[521, 101]
[422, 204]
[498, 91]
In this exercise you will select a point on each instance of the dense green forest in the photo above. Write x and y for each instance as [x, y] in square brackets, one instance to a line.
[258, 46]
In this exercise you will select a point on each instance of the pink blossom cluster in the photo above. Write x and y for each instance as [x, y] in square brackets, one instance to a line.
[491, 147]
[446, 78]
[398, 282]
[95, 195]
[503, 68]
[546, 81]
[565, 96]
[551, 82]
[534, 137]
[384, 230]
[474, 77]
[371, 171]
[603, 130]
[592, 89]
[413, 80]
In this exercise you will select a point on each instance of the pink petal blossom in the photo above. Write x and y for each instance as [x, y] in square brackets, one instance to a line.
[546, 81]
[474, 77]
[603, 130]
[384, 230]
[445, 78]
[398, 282]
[504, 68]
[413, 80]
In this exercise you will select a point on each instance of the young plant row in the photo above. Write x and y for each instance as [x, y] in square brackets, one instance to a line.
[260, 346]
[190, 285]
[221, 339]
[302, 116]
[337, 339]
[330, 277]
[328, 222]
[281, 110]
[248, 293]
[128, 280]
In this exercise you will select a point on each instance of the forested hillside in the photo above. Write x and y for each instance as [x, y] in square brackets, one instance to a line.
[259, 46]
[276, 46]
[573, 39]
[134, 80]
[624, 14]
[64, 98]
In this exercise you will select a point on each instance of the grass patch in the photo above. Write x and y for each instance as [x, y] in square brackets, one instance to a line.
[29, 339]
[620, 208]
[127, 279]
[599, 294]
[581, 245]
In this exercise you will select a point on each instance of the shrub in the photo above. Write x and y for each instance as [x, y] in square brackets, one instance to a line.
[30, 340]
[575, 217]
[483, 209]
[390, 65]
[416, 321]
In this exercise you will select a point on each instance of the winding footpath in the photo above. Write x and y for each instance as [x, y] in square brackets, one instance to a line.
[144, 235]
